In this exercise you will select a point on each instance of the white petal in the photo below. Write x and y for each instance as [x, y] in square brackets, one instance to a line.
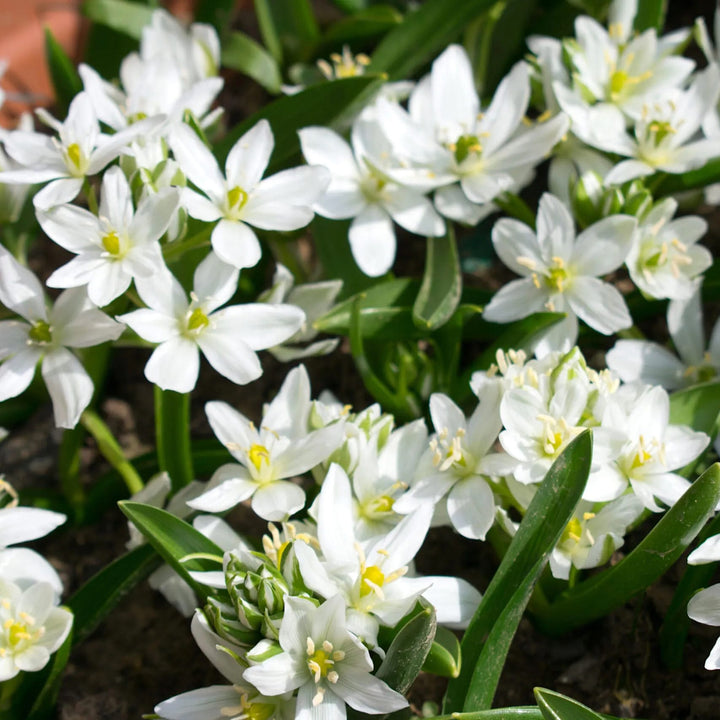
[230, 356]
[277, 500]
[322, 146]
[249, 156]
[516, 300]
[236, 244]
[599, 304]
[17, 373]
[174, 365]
[197, 162]
[414, 212]
[70, 387]
[225, 496]
[455, 600]
[21, 524]
[372, 241]
[151, 325]
[604, 246]
[471, 507]
[704, 607]
[262, 325]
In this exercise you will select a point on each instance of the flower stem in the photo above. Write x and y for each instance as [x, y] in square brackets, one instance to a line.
[172, 436]
[175, 250]
[111, 450]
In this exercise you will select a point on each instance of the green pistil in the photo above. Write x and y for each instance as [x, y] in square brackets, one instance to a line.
[465, 145]
[237, 198]
[661, 129]
[40, 333]
[198, 320]
[74, 154]
[557, 279]
[111, 243]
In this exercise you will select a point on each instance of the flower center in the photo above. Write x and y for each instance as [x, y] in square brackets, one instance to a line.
[197, 321]
[236, 200]
[40, 333]
[18, 632]
[259, 455]
[320, 662]
[557, 277]
[372, 578]
[654, 257]
[647, 452]
[466, 145]
[556, 433]
[111, 243]
[248, 710]
[449, 452]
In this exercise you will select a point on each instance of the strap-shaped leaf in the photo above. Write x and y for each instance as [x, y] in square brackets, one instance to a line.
[288, 28]
[650, 14]
[172, 436]
[240, 52]
[697, 406]
[321, 104]
[96, 599]
[708, 174]
[662, 546]
[126, 17]
[366, 23]
[546, 518]
[435, 24]
[407, 652]
[555, 706]
[66, 82]
[441, 286]
[444, 657]
[174, 540]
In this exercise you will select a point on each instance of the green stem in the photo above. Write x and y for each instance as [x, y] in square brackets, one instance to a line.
[89, 192]
[111, 450]
[175, 250]
[515, 207]
[69, 469]
[172, 436]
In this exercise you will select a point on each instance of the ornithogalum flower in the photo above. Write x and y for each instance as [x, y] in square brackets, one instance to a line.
[228, 337]
[561, 272]
[73, 321]
[31, 627]
[326, 664]
[113, 247]
[241, 198]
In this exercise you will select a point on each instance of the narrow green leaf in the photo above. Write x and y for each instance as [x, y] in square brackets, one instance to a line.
[174, 539]
[288, 28]
[555, 706]
[172, 436]
[407, 652]
[708, 174]
[66, 82]
[441, 286]
[364, 24]
[126, 17]
[423, 34]
[322, 104]
[45, 685]
[333, 249]
[661, 547]
[97, 598]
[351, 6]
[650, 14]
[546, 518]
[240, 52]
[523, 712]
[444, 657]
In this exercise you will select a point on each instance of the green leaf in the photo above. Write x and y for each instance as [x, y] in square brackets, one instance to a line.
[126, 17]
[333, 249]
[444, 657]
[321, 104]
[240, 52]
[172, 436]
[708, 174]
[662, 546]
[697, 406]
[407, 652]
[218, 13]
[288, 28]
[174, 540]
[555, 706]
[96, 599]
[425, 32]
[546, 518]
[364, 24]
[66, 82]
[441, 284]
[351, 6]
[650, 14]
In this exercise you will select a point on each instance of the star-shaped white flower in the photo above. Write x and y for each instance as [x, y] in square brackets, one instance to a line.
[241, 198]
[561, 272]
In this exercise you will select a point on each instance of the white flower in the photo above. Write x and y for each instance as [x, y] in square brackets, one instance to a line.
[268, 457]
[31, 628]
[704, 607]
[447, 136]
[23, 566]
[228, 338]
[664, 135]
[79, 150]
[241, 198]
[458, 464]
[314, 299]
[664, 259]
[326, 664]
[361, 189]
[562, 272]
[114, 247]
[653, 449]
[73, 322]
[653, 364]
